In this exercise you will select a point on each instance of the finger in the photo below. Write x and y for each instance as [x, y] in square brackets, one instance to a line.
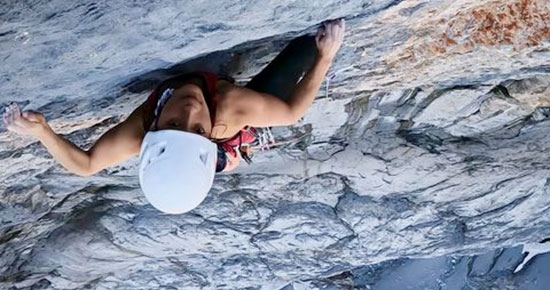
[16, 110]
[19, 121]
[16, 114]
[326, 27]
[320, 31]
[319, 35]
[340, 24]
[11, 116]
[334, 28]
[339, 31]
[337, 26]
[11, 113]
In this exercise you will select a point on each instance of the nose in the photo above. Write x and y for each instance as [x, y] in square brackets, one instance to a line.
[188, 117]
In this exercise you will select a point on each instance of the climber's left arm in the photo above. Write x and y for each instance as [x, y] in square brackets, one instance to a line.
[264, 110]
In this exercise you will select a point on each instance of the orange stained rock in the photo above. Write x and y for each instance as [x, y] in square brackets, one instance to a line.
[518, 23]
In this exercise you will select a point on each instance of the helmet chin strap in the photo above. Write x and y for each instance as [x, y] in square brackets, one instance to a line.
[160, 105]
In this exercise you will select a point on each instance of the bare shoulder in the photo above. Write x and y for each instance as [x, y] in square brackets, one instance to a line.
[232, 98]
[238, 96]
[234, 107]
[259, 109]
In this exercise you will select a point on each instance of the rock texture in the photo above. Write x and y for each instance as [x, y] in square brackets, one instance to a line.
[491, 270]
[431, 139]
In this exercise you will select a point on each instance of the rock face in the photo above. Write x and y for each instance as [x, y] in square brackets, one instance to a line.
[431, 139]
[491, 270]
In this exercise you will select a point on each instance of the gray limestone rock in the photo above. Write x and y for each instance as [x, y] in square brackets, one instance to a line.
[430, 140]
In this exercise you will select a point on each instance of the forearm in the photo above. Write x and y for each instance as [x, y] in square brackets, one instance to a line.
[66, 153]
[305, 91]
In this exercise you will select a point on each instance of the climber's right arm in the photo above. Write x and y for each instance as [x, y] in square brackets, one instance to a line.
[116, 145]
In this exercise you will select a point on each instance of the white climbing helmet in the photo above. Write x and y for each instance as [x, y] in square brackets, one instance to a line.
[176, 169]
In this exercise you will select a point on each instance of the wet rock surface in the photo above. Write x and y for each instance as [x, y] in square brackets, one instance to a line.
[432, 139]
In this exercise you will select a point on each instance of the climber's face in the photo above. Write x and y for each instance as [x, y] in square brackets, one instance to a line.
[187, 111]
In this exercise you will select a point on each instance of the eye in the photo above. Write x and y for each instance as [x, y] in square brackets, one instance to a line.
[173, 124]
[200, 131]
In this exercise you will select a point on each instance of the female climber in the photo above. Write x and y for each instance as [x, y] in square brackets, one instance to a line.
[194, 125]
